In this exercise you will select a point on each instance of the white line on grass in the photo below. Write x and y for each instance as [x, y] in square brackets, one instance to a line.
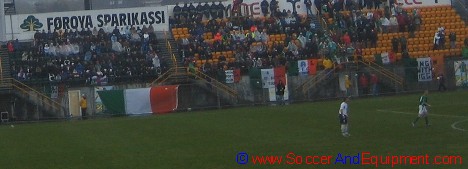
[416, 113]
[454, 125]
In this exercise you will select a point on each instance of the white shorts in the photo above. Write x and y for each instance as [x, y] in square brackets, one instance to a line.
[422, 111]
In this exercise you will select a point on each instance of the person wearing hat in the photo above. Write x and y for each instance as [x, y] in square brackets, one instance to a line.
[83, 106]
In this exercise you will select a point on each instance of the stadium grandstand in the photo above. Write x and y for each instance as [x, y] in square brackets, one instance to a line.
[222, 53]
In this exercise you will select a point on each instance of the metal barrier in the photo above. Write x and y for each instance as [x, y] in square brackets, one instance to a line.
[39, 99]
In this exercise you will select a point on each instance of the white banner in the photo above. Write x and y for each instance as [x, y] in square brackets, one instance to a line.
[229, 76]
[23, 26]
[419, 3]
[268, 78]
[424, 69]
[252, 7]
[385, 58]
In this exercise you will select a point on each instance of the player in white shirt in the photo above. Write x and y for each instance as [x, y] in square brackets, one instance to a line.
[343, 115]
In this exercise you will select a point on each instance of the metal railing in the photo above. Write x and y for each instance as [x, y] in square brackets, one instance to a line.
[169, 47]
[313, 82]
[215, 83]
[185, 71]
[383, 71]
[1, 68]
[32, 94]
[174, 71]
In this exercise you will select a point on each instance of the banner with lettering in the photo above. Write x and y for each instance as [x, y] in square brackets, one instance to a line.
[385, 58]
[54, 92]
[268, 78]
[229, 76]
[253, 7]
[24, 26]
[424, 69]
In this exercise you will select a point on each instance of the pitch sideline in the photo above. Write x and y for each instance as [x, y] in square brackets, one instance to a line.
[454, 125]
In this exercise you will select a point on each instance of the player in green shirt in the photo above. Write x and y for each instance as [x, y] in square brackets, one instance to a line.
[423, 108]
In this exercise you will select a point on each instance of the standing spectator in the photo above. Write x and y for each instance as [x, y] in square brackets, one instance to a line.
[343, 116]
[308, 4]
[185, 11]
[403, 43]
[364, 83]
[441, 80]
[393, 24]
[318, 5]
[280, 92]
[377, 4]
[417, 21]
[411, 29]
[385, 24]
[83, 106]
[441, 39]
[206, 10]
[395, 42]
[264, 6]
[373, 38]
[346, 39]
[220, 10]
[453, 39]
[348, 85]
[214, 10]
[273, 7]
[10, 47]
[436, 41]
[177, 11]
[374, 82]
[236, 7]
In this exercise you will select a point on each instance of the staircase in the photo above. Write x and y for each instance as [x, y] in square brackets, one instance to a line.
[323, 77]
[5, 70]
[46, 107]
[185, 75]
[387, 77]
[316, 19]
[168, 52]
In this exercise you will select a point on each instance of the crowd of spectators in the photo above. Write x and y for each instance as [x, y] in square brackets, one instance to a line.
[96, 56]
[249, 37]
[360, 28]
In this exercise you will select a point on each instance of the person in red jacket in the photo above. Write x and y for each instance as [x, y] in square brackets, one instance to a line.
[10, 47]
[364, 84]
[346, 39]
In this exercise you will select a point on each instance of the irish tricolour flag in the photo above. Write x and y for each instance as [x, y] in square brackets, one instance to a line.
[160, 99]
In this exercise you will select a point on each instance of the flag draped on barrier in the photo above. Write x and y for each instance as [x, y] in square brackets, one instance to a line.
[160, 99]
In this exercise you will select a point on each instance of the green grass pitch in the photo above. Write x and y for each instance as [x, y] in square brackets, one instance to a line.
[212, 139]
